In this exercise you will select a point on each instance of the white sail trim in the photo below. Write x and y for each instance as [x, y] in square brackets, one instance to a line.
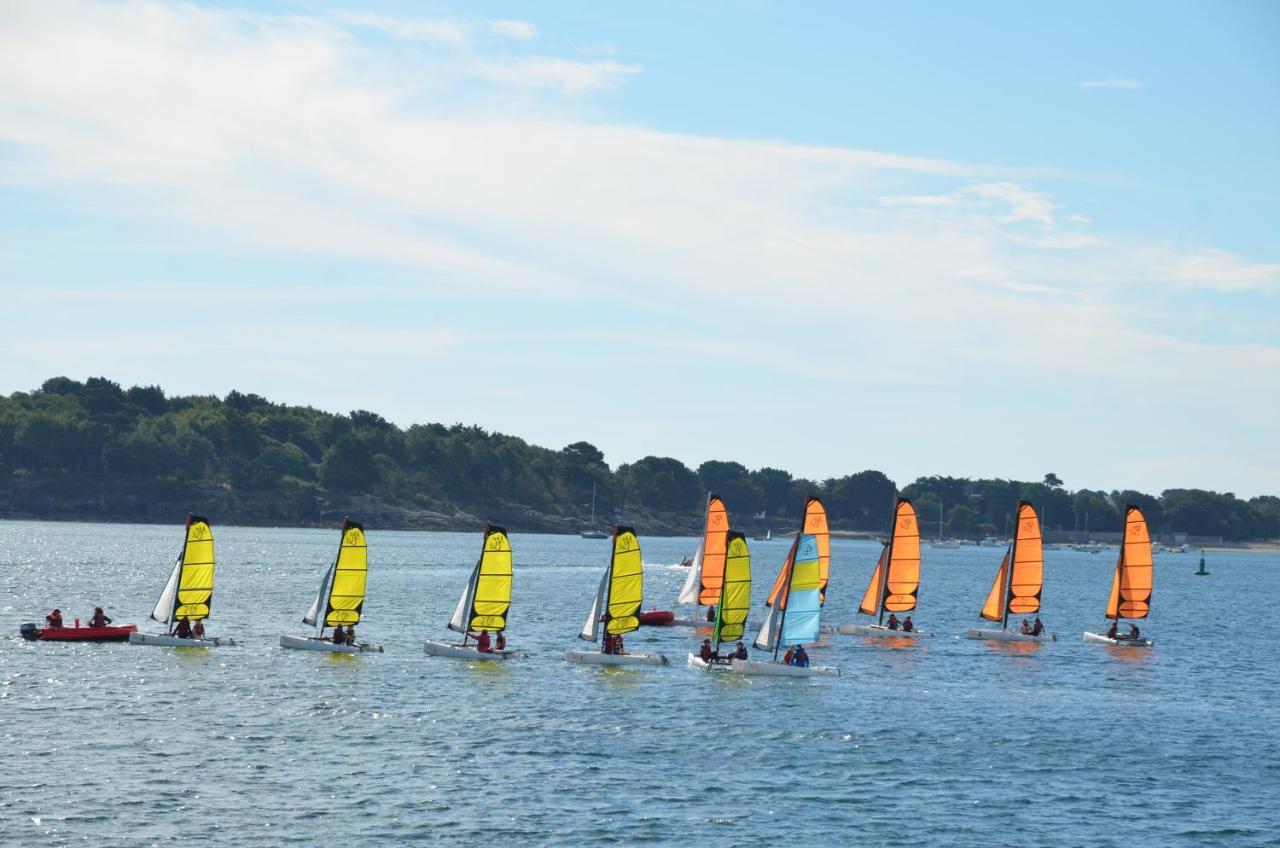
[164, 607]
[764, 640]
[693, 583]
[591, 629]
[462, 611]
[319, 606]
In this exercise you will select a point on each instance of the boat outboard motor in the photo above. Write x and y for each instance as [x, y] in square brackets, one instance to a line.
[29, 631]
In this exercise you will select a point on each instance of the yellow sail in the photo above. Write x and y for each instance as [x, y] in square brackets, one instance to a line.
[626, 583]
[1132, 583]
[814, 524]
[487, 596]
[195, 585]
[735, 597]
[346, 591]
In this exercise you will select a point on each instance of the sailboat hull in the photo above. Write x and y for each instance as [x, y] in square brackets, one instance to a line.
[755, 668]
[878, 631]
[1007, 636]
[442, 649]
[164, 640]
[310, 643]
[697, 662]
[1104, 639]
[597, 658]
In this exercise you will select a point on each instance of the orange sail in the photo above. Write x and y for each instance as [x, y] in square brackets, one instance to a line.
[1018, 590]
[815, 524]
[1131, 586]
[714, 540]
[896, 581]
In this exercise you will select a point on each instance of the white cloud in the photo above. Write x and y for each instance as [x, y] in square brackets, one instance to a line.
[518, 30]
[1023, 204]
[1212, 268]
[569, 76]
[1111, 82]
[441, 31]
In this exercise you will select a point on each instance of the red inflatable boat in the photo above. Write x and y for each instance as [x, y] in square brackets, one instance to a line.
[77, 634]
[657, 618]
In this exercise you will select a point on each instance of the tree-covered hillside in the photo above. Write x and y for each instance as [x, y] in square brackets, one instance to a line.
[94, 450]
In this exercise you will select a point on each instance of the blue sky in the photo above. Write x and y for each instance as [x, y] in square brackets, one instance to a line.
[996, 240]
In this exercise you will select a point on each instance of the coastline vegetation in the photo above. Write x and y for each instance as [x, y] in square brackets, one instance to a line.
[93, 450]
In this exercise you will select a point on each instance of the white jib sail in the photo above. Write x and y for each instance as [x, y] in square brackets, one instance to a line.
[317, 609]
[693, 583]
[164, 607]
[764, 640]
[591, 629]
[462, 611]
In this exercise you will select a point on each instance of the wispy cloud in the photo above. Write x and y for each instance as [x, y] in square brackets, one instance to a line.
[1111, 82]
[518, 30]
[566, 75]
[1213, 268]
[440, 31]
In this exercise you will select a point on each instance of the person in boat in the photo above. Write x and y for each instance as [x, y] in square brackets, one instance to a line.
[1133, 632]
[483, 645]
[500, 642]
[741, 652]
[197, 629]
[1113, 630]
[800, 659]
[617, 644]
[182, 629]
[1037, 629]
[711, 613]
[99, 618]
[54, 619]
[339, 635]
[893, 621]
[789, 656]
[351, 634]
[706, 653]
[908, 625]
[1025, 629]
[606, 644]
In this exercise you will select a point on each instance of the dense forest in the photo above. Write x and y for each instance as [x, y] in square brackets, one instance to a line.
[93, 450]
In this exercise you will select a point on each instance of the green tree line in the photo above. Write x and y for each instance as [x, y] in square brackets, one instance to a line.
[102, 434]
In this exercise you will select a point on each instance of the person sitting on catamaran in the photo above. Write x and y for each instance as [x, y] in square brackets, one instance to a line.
[53, 619]
[741, 653]
[789, 656]
[501, 642]
[706, 653]
[351, 634]
[800, 659]
[907, 625]
[1113, 630]
[99, 618]
[711, 613]
[1025, 629]
[197, 629]
[1133, 632]
[617, 644]
[182, 629]
[893, 621]
[339, 636]
[1037, 628]
[482, 643]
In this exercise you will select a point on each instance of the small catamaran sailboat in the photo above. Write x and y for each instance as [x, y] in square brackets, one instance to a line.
[733, 600]
[341, 596]
[484, 602]
[1132, 582]
[706, 575]
[617, 606]
[895, 583]
[188, 593]
[1018, 583]
[794, 614]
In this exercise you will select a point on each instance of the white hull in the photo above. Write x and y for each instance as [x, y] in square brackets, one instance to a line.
[1007, 636]
[755, 668]
[691, 622]
[308, 643]
[1104, 639]
[441, 649]
[597, 658]
[878, 631]
[695, 661]
[164, 640]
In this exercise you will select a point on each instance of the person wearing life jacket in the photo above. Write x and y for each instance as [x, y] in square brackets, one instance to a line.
[99, 618]
[893, 621]
[907, 625]
[351, 634]
[1025, 629]
[706, 653]
[789, 655]
[711, 613]
[801, 658]
[741, 652]
[197, 629]
[1038, 627]
[617, 644]
[54, 619]
[182, 629]
[500, 642]
[339, 635]
[482, 642]
[1113, 630]
[1133, 632]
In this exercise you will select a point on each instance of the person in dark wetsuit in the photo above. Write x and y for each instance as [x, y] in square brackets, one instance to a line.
[705, 652]
[1113, 630]
[1133, 633]
[893, 621]
[99, 618]
[801, 658]
[908, 625]
[182, 629]
[197, 629]
[1037, 629]
[741, 652]
[501, 642]
[711, 613]
[339, 635]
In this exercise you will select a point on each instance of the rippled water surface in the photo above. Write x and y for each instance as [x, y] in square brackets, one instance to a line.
[944, 742]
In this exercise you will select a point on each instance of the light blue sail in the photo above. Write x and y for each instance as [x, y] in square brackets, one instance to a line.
[804, 598]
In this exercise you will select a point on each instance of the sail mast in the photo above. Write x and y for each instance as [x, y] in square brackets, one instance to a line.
[608, 579]
[790, 565]
[888, 562]
[1008, 577]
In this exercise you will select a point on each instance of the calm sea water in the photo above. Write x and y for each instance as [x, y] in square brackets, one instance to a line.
[945, 742]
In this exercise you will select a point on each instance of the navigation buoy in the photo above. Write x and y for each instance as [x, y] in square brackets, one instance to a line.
[1201, 572]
